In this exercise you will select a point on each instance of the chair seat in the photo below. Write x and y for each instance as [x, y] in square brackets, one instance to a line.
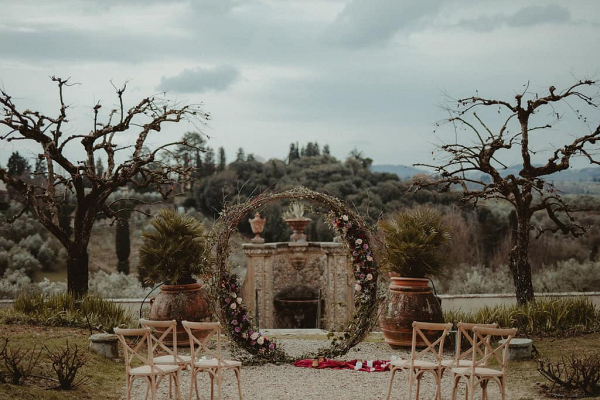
[452, 363]
[155, 370]
[479, 371]
[420, 364]
[169, 359]
[214, 363]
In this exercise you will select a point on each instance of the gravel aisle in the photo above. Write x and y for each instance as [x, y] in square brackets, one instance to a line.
[282, 382]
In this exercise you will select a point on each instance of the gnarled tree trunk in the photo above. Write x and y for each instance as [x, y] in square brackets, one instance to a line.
[519, 263]
[77, 270]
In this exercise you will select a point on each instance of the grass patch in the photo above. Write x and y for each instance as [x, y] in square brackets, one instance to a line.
[544, 317]
[105, 378]
[62, 310]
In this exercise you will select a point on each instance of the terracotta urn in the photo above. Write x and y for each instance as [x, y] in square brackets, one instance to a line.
[182, 303]
[298, 226]
[410, 299]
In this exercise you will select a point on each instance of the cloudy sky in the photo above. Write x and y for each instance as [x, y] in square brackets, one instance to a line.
[366, 74]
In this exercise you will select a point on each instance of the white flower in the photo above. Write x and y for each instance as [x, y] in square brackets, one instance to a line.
[345, 217]
[233, 306]
[260, 340]
[239, 300]
[369, 258]
[358, 241]
[254, 336]
[244, 335]
[233, 295]
[369, 277]
[357, 287]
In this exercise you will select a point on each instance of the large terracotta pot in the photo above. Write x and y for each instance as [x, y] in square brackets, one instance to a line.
[181, 303]
[410, 299]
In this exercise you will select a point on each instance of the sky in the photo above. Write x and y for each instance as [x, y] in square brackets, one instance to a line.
[364, 74]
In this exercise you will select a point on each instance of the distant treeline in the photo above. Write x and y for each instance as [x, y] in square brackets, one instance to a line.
[482, 235]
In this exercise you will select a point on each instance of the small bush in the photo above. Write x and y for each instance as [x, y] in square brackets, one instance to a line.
[19, 361]
[21, 259]
[32, 243]
[6, 244]
[66, 362]
[116, 285]
[64, 310]
[46, 256]
[575, 374]
[545, 316]
[13, 283]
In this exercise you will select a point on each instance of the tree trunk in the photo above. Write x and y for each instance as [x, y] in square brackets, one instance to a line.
[77, 270]
[519, 263]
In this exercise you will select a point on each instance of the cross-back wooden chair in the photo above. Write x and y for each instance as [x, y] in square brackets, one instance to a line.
[160, 332]
[464, 358]
[478, 373]
[416, 367]
[200, 333]
[151, 372]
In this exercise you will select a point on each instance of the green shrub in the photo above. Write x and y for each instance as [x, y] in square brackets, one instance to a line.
[21, 259]
[545, 316]
[64, 310]
[32, 243]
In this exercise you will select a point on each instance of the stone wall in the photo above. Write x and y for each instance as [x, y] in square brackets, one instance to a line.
[273, 267]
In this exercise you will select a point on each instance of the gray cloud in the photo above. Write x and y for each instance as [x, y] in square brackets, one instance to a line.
[525, 17]
[199, 80]
[368, 22]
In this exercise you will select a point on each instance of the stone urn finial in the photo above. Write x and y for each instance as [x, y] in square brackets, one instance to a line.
[295, 218]
[257, 224]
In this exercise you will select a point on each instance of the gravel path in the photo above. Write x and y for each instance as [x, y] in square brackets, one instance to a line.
[282, 382]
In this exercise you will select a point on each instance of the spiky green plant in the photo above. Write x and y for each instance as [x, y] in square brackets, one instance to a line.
[414, 243]
[174, 251]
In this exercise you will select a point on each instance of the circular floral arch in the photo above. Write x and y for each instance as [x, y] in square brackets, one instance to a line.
[353, 230]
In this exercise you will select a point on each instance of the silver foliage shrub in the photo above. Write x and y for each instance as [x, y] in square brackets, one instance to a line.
[566, 276]
[116, 285]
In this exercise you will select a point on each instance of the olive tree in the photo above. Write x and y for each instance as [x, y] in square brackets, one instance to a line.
[66, 176]
[490, 133]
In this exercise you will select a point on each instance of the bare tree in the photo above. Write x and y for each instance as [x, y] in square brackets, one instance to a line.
[509, 132]
[91, 187]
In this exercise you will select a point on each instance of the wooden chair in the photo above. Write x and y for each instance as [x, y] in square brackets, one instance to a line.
[160, 331]
[464, 358]
[415, 368]
[215, 366]
[478, 373]
[152, 373]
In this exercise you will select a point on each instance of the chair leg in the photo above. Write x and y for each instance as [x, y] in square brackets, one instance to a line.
[153, 387]
[192, 383]
[148, 390]
[391, 382]
[219, 383]
[418, 385]
[196, 386]
[176, 381]
[410, 384]
[438, 381]
[455, 380]
[484, 384]
[238, 374]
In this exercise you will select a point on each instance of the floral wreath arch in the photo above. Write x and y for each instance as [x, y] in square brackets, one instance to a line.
[354, 232]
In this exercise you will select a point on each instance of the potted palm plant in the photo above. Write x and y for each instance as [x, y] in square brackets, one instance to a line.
[413, 251]
[173, 253]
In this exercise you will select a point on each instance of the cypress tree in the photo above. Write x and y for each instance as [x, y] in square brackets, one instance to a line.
[123, 245]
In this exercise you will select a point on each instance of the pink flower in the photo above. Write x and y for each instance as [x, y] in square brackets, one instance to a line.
[244, 335]
[369, 258]
[233, 306]
[227, 300]
[239, 300]
[254, 335]
[369, 277]
[358, 241]
[237, 329]
[271, 346]
[365, 246]
[260, 340]
[357, 287]
[362, 276]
